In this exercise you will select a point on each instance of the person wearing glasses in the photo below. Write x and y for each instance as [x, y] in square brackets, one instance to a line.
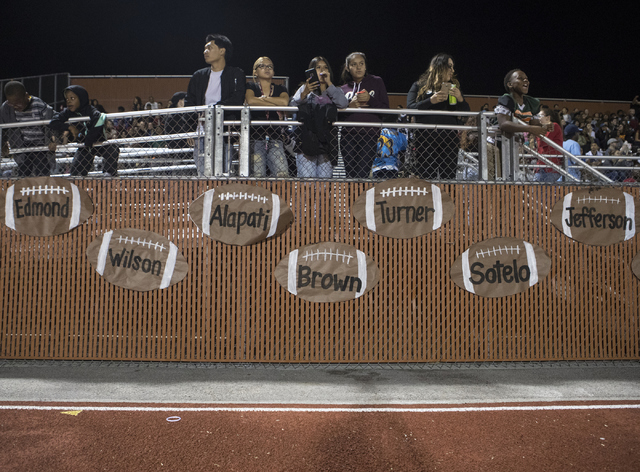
[267, 149]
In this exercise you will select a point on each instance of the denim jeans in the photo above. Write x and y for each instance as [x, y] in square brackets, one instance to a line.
[269, 152]
[314, 166]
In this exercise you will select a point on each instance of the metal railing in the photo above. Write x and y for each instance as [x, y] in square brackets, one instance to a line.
[225, 142]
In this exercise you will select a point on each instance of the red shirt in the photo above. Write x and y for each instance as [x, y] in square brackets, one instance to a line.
[544, 148]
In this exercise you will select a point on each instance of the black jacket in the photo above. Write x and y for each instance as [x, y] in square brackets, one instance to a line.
[316, 133]
[90, 131]
[232, 82]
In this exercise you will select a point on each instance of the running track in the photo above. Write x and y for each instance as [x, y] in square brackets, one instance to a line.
[576, 436]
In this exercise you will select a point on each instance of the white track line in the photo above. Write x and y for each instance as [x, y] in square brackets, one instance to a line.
[324, 410]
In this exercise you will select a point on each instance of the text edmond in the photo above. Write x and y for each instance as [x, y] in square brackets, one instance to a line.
[47, 209]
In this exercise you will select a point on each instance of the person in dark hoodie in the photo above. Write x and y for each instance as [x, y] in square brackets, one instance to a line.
[362, 90]
[216, 84]
[87, 134]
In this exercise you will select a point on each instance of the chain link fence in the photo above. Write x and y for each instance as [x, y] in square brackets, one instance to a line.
[223, 142]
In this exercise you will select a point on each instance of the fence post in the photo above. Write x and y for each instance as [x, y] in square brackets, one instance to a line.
[482, 147]
[505, 155]
[244, 142]
[219, 155]
[209, 141]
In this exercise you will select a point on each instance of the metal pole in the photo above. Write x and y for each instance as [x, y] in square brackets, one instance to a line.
[506, 159]
[209, 141]
[245, 119]
[483, 166]
[218, 155]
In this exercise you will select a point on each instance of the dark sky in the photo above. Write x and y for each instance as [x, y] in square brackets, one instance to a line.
[567, 50]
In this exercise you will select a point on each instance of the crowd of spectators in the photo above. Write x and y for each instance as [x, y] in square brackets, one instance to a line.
[609, 140]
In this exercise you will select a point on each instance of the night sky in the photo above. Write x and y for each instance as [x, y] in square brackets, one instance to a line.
[567, 50]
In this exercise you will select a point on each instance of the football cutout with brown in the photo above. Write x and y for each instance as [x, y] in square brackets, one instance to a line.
[44, 206]
[403, 208]
[240, 214]
[597, 216]
[500, 267]
[137, 259]
[327, 272]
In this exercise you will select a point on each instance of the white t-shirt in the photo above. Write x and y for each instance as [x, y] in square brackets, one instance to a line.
[214, 90]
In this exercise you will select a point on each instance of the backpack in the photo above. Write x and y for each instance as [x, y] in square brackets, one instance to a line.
[390, 144]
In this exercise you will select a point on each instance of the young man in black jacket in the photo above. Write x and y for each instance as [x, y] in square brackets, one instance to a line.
[216, 84]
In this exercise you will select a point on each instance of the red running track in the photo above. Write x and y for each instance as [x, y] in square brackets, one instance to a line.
[578, 436]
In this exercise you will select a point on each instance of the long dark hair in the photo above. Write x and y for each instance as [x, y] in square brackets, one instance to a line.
[315, 60]
[431, 79]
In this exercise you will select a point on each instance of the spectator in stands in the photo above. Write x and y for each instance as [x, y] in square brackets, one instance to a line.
[87, 134]
[548, 174]
[177, 123]
[571, 145]
[268, 148]
[612, 147]
[18, 108]
[517, 103]
[565, 115]
[437, 89]
[137, 104]
[317, 103]
[216, 84]
[635, 104]
[153, 105]
[595, 150]
[585, 138]
[95, 104]
[603, 135]
[122, 125]
[363, 90]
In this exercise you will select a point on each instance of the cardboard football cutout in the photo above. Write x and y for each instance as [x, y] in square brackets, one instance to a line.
[327, 272]
[45, 206]
[240, 214]
[597, 216]
[500, 267]
[137, 259]
[403, 208]
[635, 265]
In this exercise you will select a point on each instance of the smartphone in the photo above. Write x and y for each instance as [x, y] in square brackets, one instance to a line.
[311, 74]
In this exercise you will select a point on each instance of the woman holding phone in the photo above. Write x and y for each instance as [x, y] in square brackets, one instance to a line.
[267, 142]
[317, 100]
[437, 89]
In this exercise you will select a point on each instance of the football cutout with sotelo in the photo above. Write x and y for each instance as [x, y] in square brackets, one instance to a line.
[44, 206]
[137, 259]
[403, 208]
[327, 272]
[500, 267]
[240, 214]
[597, 216]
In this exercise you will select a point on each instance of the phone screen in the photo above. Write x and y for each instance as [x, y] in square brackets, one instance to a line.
[312, 74]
